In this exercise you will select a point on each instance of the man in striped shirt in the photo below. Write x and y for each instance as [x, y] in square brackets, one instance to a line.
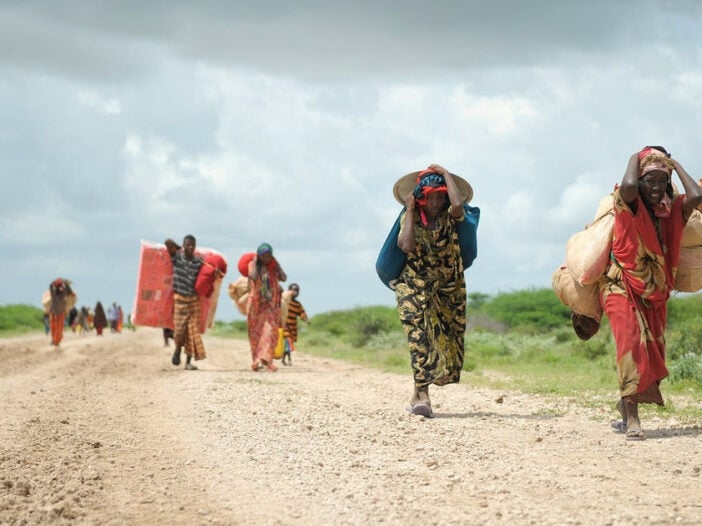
[291, 310]
[186, 311]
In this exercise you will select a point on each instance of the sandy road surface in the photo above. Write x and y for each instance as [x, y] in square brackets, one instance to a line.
[106, 431]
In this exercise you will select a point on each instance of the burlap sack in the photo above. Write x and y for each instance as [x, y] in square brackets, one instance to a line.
[46, 301]
[692, 233]
[689, 275]
[605, 206]
[580, 299]
[239, 293]
[71, 300]
[587, 251]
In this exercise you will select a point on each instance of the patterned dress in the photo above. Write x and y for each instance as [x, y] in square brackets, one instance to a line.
[263, 312]
[431, 301]
[634, 294]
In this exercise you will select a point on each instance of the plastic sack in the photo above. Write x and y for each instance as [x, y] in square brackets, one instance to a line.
[468, 234]
[391, 259]
[243, 264]
[205, 284]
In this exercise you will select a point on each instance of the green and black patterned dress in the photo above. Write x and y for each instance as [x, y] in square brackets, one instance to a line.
[431, 301]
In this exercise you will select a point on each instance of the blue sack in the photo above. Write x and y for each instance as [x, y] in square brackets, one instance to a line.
[392, 259]
[468, 234]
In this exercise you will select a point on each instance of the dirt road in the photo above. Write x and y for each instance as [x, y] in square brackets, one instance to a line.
[106, 431]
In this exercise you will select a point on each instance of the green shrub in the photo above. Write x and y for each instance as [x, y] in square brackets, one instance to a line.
[20, 318]
[529, 311]
[687, 367]
[357, 326]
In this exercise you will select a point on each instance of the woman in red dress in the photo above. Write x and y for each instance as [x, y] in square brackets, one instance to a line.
[649, 221]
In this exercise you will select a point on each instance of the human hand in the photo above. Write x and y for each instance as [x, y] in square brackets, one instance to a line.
[439, 169]
[171, 245]
[409, 202]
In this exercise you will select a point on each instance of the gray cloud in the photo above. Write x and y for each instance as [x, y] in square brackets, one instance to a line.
[257, 122]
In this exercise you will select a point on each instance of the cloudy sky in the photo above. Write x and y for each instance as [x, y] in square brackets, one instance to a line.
[289, 122]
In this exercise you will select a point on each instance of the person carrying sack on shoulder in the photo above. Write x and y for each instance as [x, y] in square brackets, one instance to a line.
[648, 228]
[431, 289]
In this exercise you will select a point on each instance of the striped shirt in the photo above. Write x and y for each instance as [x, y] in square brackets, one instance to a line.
[185, 274]
[295, 310]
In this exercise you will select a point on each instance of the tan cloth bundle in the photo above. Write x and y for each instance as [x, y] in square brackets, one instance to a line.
[587, 251]
[688, 277]
[239, 293]
[583, 300]
[692, 233]
[71, 300]
[212, 311]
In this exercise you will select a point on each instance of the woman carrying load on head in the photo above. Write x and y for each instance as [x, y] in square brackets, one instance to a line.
[648, 228]
[263, 311]
[431, 290]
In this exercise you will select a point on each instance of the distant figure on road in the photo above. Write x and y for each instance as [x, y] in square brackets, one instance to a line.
[100, 319]
[61, 295]
[113, 316]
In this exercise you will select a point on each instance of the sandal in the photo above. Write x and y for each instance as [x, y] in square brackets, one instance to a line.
[257, 366]
[635, 434]
[619, 426]
[422, 409]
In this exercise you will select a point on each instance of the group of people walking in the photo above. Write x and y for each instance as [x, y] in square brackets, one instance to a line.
[60, 312]
[649, 217]
[265, 303]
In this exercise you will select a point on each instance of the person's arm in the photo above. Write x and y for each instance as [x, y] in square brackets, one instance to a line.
[253, 270]
[693, 192]
[171, 246]
[282, 276]
[405, 240]
[629, 189]
[454, 194]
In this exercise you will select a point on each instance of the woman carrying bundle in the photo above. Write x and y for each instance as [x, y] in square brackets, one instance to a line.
[431, 290]
[263, 312]
[648, 227]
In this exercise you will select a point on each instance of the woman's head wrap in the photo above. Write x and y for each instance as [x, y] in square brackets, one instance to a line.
[263, 248]
[651, 160]
[428, 182]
